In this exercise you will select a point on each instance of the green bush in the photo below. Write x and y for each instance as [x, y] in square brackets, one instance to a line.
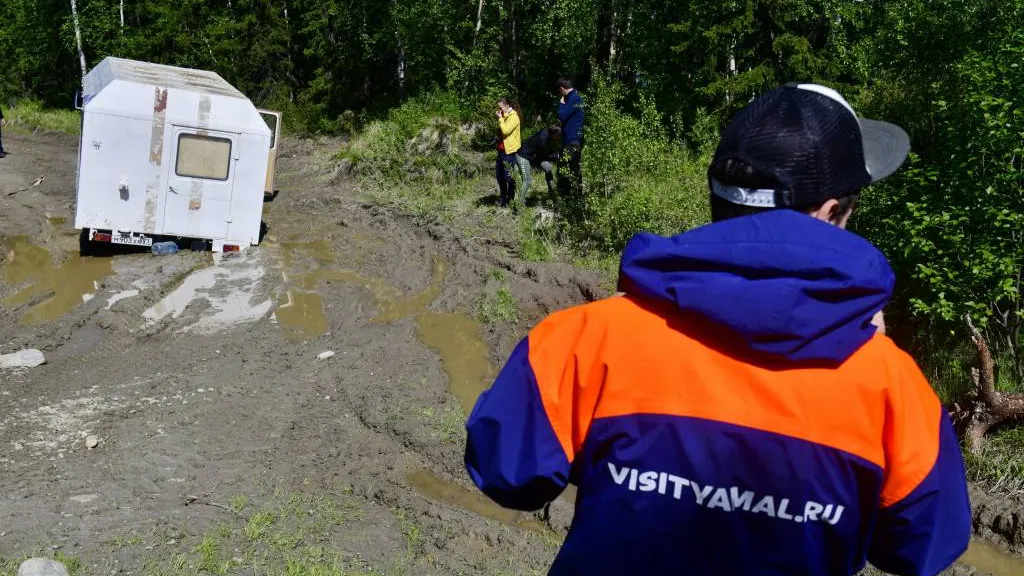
[952, 222]
[422, 141]
[635, 177]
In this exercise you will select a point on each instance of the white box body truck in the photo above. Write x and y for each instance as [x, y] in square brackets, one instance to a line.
[171, 153]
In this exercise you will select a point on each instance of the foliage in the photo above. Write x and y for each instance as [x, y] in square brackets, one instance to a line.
[501, 306]
[952, 222]
[31, 114]
[637, 178]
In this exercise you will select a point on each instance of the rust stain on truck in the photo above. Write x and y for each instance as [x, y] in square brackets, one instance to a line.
[205, 106]
[195, 198]
[156, 157]
[149, 215]
[156, 141]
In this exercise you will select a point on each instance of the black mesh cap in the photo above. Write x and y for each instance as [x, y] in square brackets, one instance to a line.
[808, 138]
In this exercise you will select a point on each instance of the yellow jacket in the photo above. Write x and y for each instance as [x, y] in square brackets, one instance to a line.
[509, 125]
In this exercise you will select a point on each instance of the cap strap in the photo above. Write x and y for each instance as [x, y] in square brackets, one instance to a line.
[756, 197]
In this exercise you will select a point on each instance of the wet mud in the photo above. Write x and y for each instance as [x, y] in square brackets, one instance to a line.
[64, 286]
[988, 559]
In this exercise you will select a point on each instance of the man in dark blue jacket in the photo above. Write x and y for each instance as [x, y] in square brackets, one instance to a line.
[570, 116]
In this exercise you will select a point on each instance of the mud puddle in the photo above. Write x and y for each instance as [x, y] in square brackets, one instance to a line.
[989, 559]
[456, 339]
[229, 287]
[430, 486]
[301, 314]
[72, 283]
[301, 311]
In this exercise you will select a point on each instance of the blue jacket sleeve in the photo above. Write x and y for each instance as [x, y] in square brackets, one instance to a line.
[570, 107]
[927, 530]
[512, 452]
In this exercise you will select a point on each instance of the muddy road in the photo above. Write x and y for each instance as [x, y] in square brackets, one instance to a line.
[223, 443]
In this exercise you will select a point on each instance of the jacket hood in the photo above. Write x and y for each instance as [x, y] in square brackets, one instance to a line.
[785, 285]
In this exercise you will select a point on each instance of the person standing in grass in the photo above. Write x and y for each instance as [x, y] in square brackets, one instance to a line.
[737, 409]
[570, 116]
[508, 146]
[2, 123]
[541, 150]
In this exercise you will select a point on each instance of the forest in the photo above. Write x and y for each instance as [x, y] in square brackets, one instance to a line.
[659, 78]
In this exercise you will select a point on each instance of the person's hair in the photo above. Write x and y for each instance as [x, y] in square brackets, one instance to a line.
[564, 82]
[513, 104]
[738, 173]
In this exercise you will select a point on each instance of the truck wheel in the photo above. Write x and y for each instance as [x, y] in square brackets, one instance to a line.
[85, 246]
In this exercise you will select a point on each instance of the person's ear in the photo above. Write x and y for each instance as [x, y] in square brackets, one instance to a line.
[826, 212]
[829, 212]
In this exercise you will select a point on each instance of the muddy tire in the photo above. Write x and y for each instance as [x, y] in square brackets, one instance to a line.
[86, 247]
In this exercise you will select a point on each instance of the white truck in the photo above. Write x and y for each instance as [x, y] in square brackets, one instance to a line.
[171, 153]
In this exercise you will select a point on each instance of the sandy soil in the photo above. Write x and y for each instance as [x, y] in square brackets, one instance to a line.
[224, 445]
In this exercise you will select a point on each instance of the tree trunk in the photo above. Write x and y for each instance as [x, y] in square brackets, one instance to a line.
[515, 47]
[989, 407]
[479, 19]
[78, 40]
[618, 33]
[122, 16]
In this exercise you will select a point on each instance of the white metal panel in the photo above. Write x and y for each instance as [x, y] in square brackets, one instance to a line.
[132, 100]
[154, 74]
[118, 186]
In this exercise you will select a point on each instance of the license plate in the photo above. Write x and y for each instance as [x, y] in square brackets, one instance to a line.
[131, 240]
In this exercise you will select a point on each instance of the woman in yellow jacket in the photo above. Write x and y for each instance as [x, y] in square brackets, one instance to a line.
[511, 141]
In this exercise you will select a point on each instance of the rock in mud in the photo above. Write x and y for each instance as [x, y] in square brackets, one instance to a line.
[91, 442]
[42, 567]
[325, 355]
[27, 358]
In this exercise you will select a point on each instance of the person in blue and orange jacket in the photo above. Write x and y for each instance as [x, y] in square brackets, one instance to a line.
[735, 410]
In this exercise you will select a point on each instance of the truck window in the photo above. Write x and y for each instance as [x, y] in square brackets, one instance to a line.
[271, 121]
[203, 157]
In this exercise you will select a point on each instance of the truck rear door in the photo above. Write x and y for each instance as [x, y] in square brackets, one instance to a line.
[201, 181]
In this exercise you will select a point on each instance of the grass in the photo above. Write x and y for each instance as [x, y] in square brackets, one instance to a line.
[536, 242]
[28, 115]
[127, 540]
[9, 566]
[501, 306]
[411, 532]
[292, 534]
[1000, 464]
[449, 426]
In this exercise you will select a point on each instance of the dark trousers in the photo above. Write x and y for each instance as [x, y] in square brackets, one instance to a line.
[570, 160]
[503, 172]
[1, 140]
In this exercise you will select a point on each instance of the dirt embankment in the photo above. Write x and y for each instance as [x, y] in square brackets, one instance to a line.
[224, 444]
